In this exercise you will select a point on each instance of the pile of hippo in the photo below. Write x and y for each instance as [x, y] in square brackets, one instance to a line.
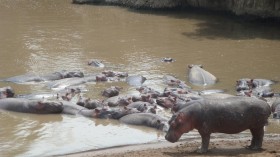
[207, 111]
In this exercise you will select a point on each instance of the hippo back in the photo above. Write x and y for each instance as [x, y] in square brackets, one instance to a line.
[201, 77]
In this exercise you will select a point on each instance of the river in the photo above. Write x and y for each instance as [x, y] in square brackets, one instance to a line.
[44, 36]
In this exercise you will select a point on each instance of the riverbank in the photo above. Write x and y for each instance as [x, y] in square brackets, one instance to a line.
[217, 147]
[258, 8]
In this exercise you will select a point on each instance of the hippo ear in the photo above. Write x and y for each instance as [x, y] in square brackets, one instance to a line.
[190, 66]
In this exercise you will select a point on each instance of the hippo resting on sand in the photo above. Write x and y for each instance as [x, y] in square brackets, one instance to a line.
[200, 77]
[30, 106]
[230, 115]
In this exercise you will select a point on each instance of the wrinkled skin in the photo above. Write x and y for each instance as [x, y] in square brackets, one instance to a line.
[231, 115]
[146, 119]
[30, 106]
[200, 77]
[6, 92]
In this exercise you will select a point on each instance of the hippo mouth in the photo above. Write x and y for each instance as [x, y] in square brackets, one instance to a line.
[172, 137]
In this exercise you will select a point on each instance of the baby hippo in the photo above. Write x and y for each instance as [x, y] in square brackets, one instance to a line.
[230, 115]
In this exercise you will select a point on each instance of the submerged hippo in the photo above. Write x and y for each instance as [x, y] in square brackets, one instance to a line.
[200, 77]
[146, 119]
[230, 115]
[96, 63]
[30, 106]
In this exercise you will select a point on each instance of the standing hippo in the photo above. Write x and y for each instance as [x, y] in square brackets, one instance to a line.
[146, 119]
[200, 77]
[30, 106]
[230, 115]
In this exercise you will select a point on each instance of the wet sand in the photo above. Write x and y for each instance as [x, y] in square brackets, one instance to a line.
[217, 147]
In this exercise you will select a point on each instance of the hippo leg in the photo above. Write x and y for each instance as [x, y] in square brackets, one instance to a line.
[257, 138]
[204, 144]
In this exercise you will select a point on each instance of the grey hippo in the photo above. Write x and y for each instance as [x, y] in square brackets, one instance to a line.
[230, 115]
[198, 76]
[31, 106]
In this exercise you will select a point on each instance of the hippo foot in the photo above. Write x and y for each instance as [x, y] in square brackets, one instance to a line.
[201, 151]
[255, 148]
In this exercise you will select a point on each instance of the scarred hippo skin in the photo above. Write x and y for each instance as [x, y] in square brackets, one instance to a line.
[6, 92]
[231, 115]
[200, 77]
[30, 106]
[146, 119]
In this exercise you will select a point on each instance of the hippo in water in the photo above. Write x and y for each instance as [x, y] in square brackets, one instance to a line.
[29, 77]
[247, 84]
[30, 106]
[96, 63]
[146, 119]
[230, 115]
[6, 92]
[200, 77]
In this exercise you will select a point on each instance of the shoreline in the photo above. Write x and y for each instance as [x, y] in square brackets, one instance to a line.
[187, 147]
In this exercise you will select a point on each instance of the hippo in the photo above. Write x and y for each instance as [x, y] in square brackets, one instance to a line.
[230, 115]
[88, 103]
[275, 108]
[166, 102]
[31, 106]
[115, 73]
[147, 90]
[146, 119]
[136, 80]
[6, 92]
[247, 84]
[120, 100]
[96, 63]
[112, 91]
[143, 106]
[167, 60]
[200, 77]
[174, 82]
[117, 113]
[30, 77]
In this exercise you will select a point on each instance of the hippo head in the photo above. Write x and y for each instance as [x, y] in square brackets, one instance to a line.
[192, 65]
[244, 84]
[162, 125]
[47, 107]
[102, 113]
[179, 123]
[6, 92]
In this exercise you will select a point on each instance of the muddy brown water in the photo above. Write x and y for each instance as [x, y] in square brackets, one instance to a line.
[43, 36]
